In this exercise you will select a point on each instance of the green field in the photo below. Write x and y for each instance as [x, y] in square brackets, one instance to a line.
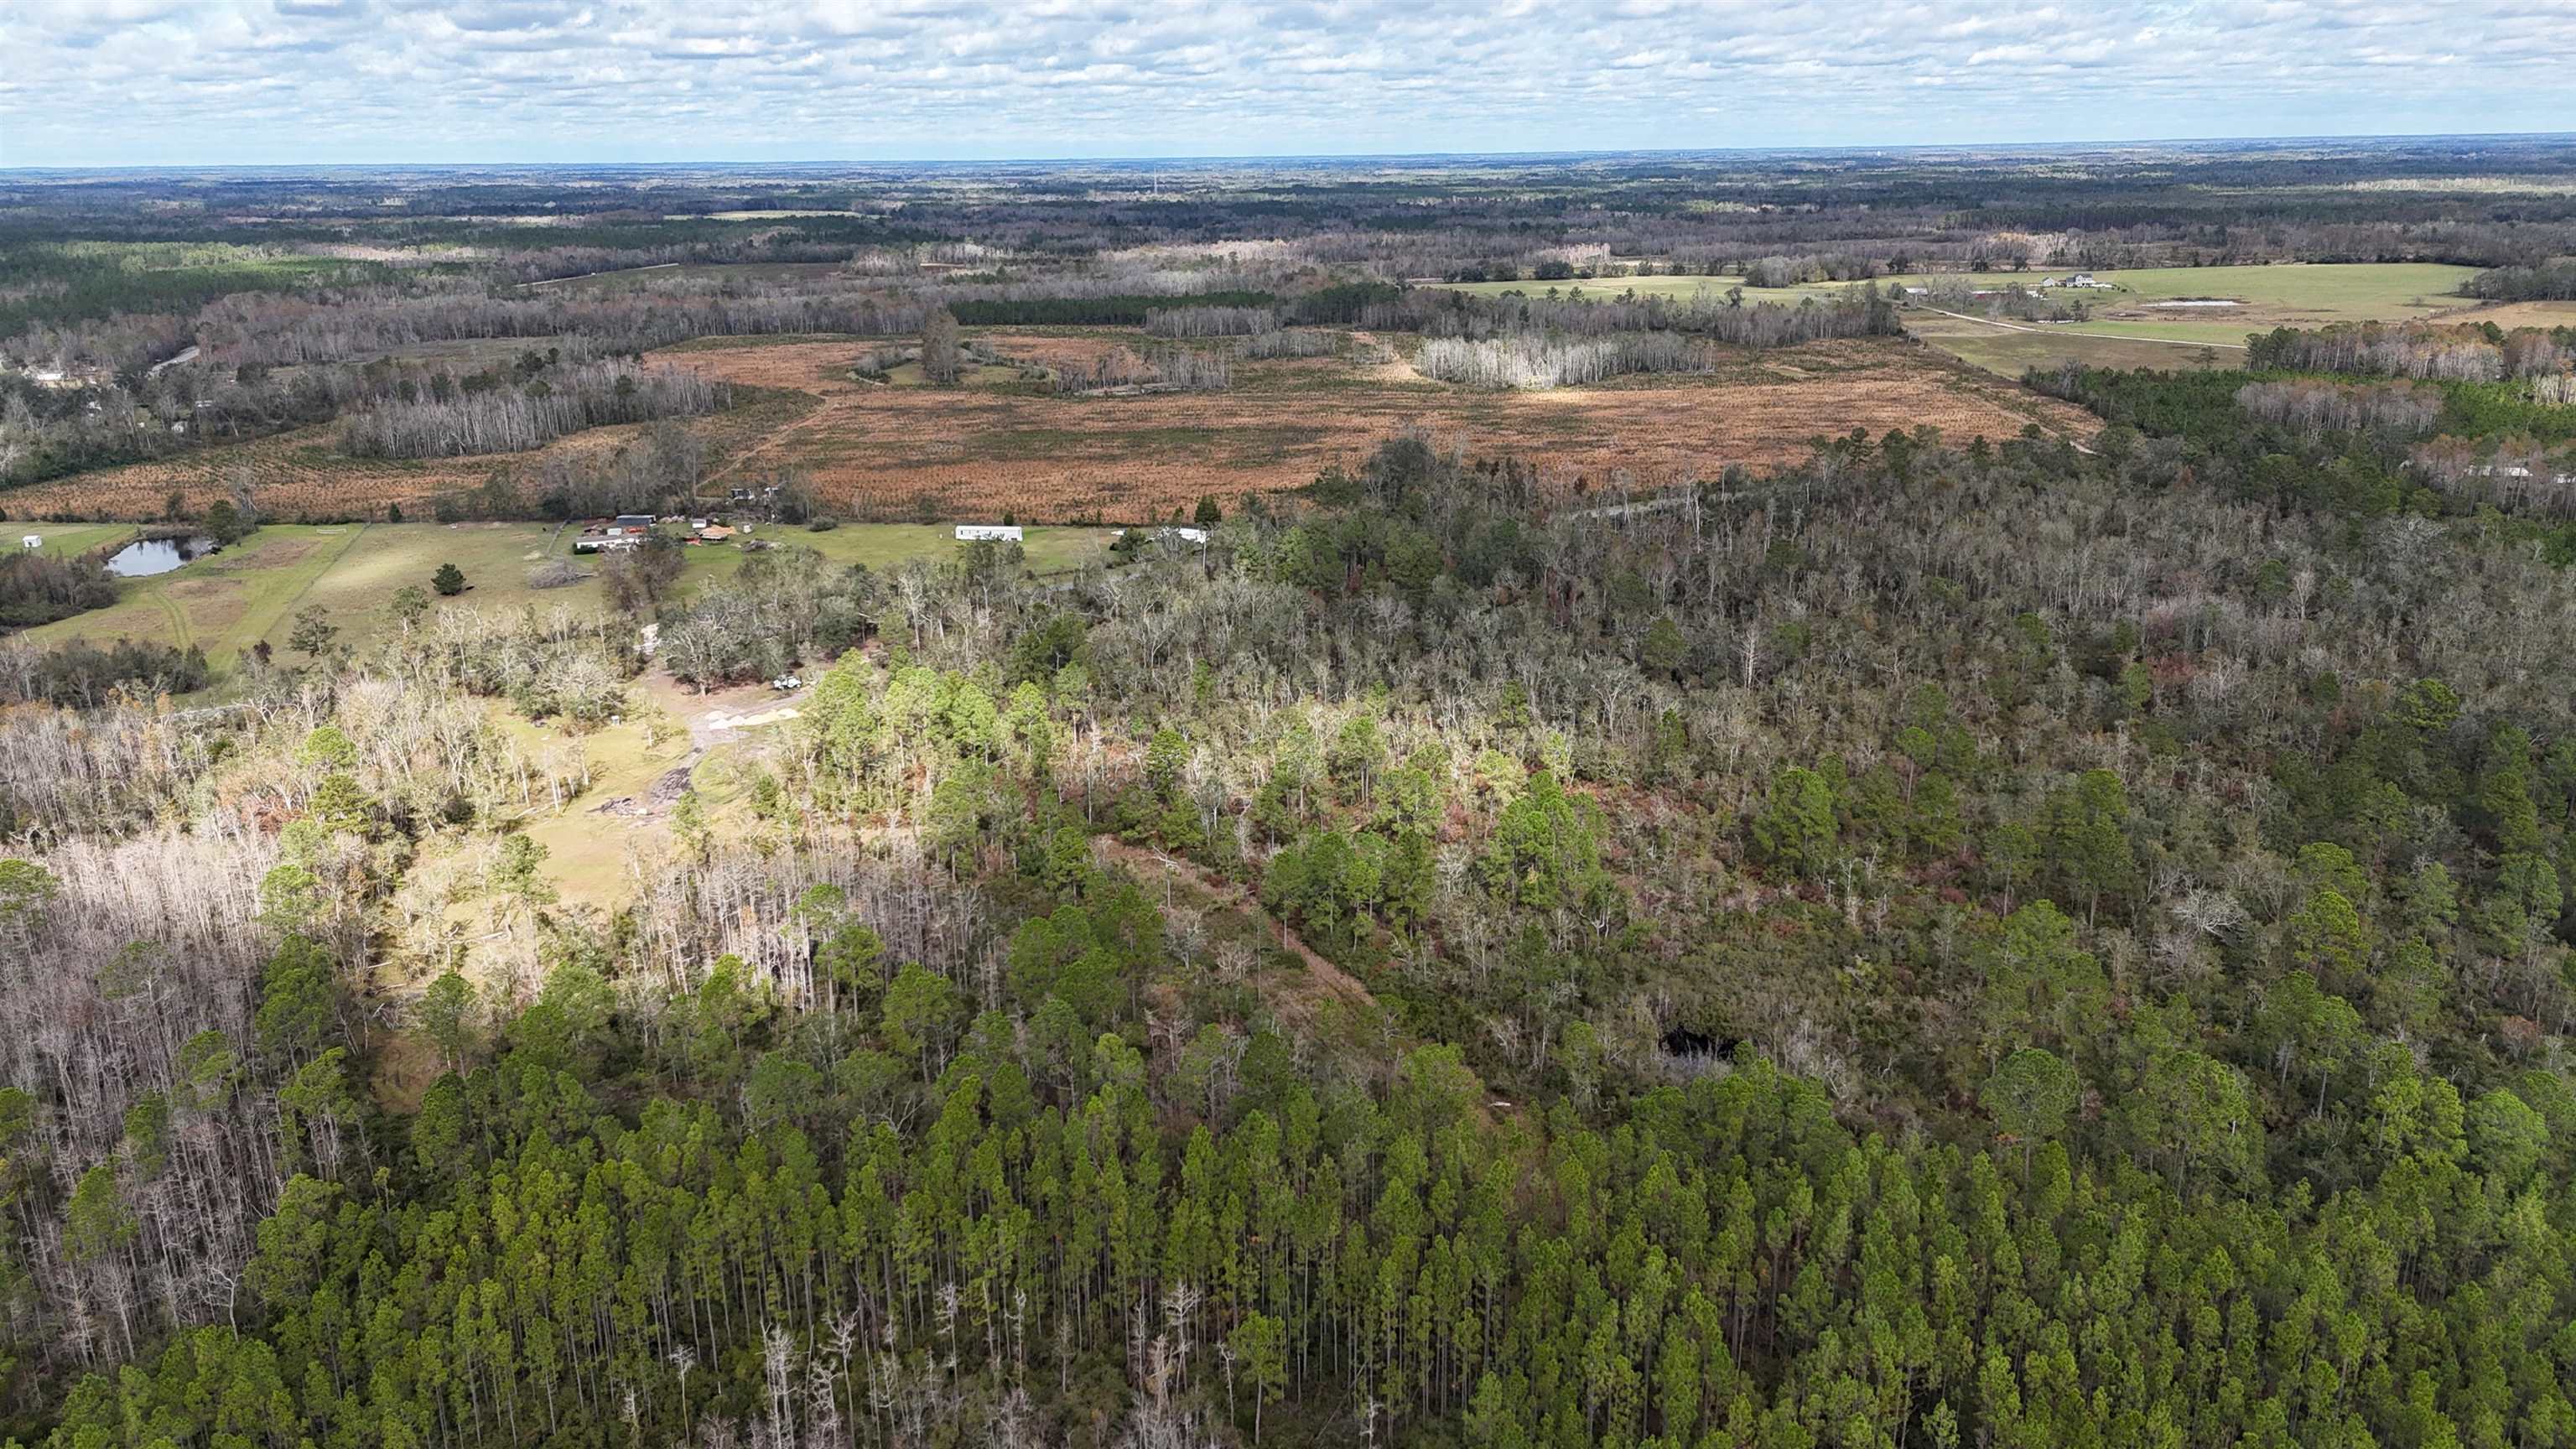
[251, 592]
[883, 545]
[2010, 353]
[2355, 292]
[2127, 328]
[63, 540]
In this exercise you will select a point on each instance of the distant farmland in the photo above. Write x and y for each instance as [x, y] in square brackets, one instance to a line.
[2134, 323]
[888, 452]
[901, 453]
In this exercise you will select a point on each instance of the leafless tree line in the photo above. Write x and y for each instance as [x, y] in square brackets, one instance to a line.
[1210, 321]
[511, 420]
[131, 987]
[2516, 474]
[1111, 279]
[265, 329]
[2393, 411]
[745, 903]
[1162, 369]
[1858, 312]
[2013, 300]
[1531, 361]
[1794, 271]
[124, 343]
[1292, 342]
[2447, 354]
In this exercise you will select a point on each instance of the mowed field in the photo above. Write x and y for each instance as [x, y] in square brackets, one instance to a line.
[230, 602]
[2012, 351]
[65, 540]
[2151, 318]
[2509, 315]
[2134, 324]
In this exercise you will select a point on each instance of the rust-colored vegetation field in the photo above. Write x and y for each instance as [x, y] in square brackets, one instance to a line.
[890, 452]
[895, 453]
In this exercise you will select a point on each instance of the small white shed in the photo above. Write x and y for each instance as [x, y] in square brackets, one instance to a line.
[33, 540]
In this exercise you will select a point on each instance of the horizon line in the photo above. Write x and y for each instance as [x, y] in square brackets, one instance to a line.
[1276, 157]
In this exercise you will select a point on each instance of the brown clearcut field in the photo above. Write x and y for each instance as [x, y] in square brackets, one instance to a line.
[888, 451]
[894, 453]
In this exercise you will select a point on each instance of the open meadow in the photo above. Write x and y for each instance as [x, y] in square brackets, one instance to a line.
[250, 593]
[69, 540]
[2146, 317]
[2182, 317]
[2509, 315]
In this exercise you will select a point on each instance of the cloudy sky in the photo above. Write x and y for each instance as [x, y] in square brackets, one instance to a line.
[192, 82]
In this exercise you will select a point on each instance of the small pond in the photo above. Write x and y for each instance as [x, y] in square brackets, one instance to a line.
[148, 556]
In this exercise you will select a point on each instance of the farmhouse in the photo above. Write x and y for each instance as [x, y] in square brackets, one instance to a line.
[988, 533]
[1171, 537]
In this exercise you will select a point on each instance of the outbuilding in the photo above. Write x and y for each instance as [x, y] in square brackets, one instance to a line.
[988, 533]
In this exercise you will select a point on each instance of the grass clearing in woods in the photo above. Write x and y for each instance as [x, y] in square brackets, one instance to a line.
[227, 603]
[65, 540]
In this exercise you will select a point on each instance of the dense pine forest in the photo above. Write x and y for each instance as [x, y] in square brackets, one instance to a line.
[1960, 942]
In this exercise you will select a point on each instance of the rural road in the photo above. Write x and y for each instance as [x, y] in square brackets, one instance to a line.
[586, 276]
[1332, 979]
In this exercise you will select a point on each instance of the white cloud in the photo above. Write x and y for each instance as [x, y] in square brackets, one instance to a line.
[207, 81]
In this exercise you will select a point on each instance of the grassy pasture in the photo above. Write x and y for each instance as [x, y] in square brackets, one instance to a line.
[982, 374]
[883, 545]
[64, 540]
[2010, 353]
[251, 592]
[2127, 328]
[2510, 315]
[2352, 292]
